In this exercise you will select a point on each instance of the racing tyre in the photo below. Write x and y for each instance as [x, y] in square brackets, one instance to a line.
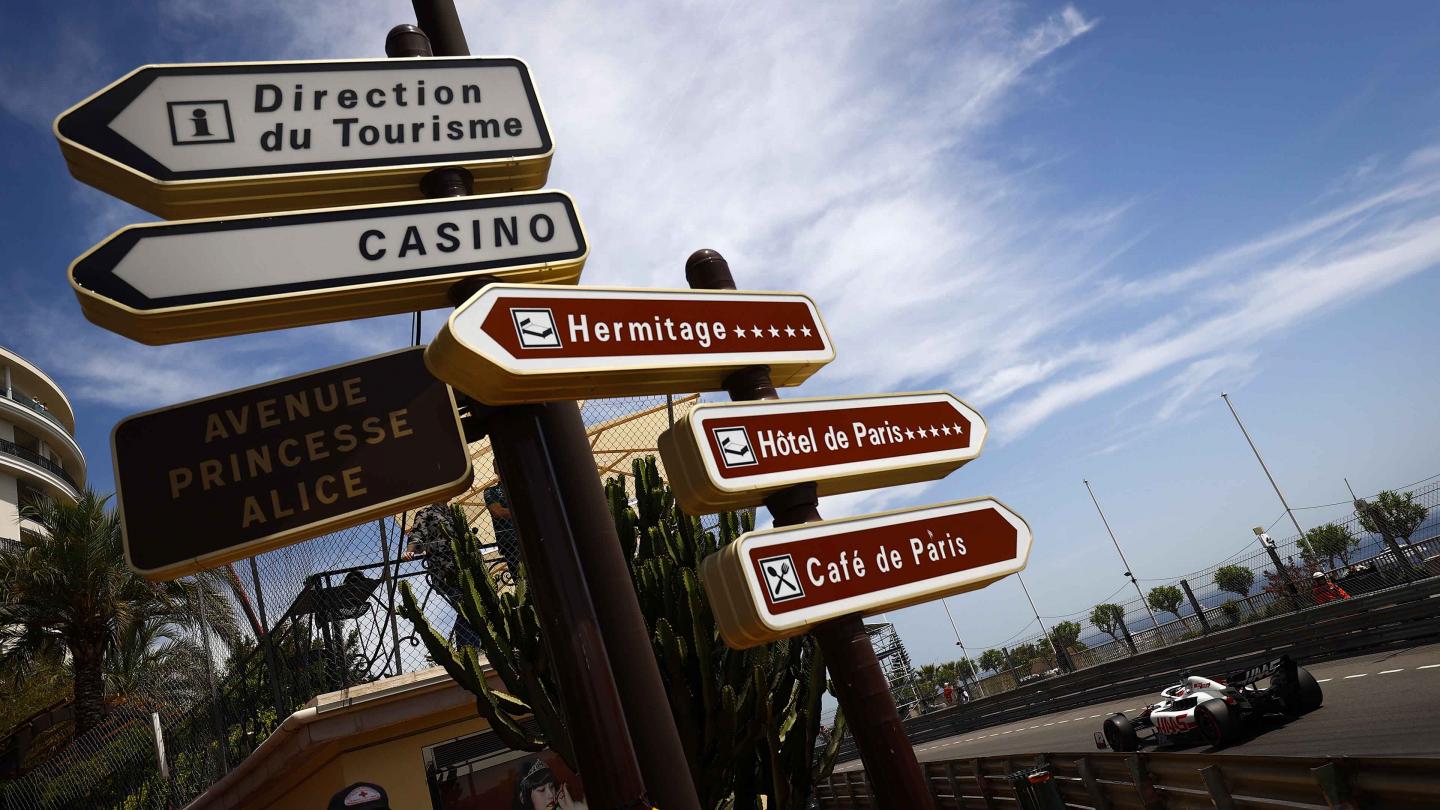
[1310, 694]
[1120, 734]
[1218, 723]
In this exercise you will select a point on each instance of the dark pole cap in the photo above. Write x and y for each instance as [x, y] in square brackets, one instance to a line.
[706, 269]
[406, 40]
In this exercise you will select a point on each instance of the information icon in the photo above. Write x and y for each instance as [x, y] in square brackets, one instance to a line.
[200, 122]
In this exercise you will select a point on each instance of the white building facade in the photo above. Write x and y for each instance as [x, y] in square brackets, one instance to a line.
[38, 453]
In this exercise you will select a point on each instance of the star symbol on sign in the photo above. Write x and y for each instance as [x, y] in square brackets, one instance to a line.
[958, 430]
[805, 330]
[774, 332]
[789, 331]
[945, 429]
[933, 431]
[909, 434]
[755, 330]
[739, 331]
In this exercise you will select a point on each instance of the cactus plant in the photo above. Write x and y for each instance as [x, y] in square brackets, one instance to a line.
[748, 719]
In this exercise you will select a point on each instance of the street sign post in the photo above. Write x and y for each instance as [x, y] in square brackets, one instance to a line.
[216, 139]
[856, 678]
[515, 343]
[225, 477]
[725, 456]
[169, 282]
[778, 583]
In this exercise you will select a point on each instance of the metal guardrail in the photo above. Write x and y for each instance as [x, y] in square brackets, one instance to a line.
[13, 449]
[1166, 781]
[1402, 614]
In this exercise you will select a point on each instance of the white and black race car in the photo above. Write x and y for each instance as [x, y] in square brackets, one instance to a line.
[1215, 711]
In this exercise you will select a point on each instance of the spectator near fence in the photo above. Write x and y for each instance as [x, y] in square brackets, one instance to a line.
[429, 539]
[497, 503]
[1324, 590]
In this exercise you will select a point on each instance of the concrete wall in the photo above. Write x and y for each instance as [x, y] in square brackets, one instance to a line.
[9, 493]
[9, 508]
[395, 764]
[370, 733]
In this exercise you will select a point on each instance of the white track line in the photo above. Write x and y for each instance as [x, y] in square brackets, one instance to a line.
[1324, 680]
[1429, 666]
[1388, 671]
[1361, 675]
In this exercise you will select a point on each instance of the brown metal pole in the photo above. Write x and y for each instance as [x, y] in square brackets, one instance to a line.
[579, 495]
[890, 765]
[589, 698]
[601, 737]
[627, 639]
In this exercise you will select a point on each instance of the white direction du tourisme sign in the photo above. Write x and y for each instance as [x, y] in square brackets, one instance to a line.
[169, 282]
[210, 139]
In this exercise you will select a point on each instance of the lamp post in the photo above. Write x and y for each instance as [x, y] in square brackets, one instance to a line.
[965, 655]
[1299, 532]
[1061, 659]
[1131, 576]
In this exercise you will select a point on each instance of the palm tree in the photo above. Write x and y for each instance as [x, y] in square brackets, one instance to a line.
[68, 596]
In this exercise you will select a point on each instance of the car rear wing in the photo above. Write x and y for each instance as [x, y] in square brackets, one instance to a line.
[1245, 677]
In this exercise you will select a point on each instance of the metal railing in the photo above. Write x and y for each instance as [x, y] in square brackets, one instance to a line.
[10, 448]
[1153, 781]
[1258, 585]
[36, 407]
[1401, 615]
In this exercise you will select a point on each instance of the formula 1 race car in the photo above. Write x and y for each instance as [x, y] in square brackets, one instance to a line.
[1216, 711]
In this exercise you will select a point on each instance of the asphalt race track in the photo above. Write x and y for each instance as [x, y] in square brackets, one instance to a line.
[1381, 704]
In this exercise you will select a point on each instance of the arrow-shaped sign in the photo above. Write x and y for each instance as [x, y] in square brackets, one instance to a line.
[726, 456]
[169, 282]
[515, 343]
[778, 583]
[214, 139]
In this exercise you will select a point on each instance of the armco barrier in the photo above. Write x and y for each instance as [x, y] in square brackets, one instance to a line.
[1401, 615]
[1169, 781]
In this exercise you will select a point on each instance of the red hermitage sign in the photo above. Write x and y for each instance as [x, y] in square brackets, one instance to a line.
[515, 343]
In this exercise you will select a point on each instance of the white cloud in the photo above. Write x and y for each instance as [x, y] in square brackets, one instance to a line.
[844, 149]
[829, 148]
[1258, 299]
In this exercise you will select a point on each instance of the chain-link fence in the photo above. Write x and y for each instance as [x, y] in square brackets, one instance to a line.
[1335, 561]
[281, 628]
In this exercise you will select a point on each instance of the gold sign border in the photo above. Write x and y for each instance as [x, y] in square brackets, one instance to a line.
[264, 313]
[451, 360]
[299, 533]
[698, 494]
[214, 197]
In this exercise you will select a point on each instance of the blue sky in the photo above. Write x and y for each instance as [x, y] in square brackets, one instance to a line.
[1086, 220]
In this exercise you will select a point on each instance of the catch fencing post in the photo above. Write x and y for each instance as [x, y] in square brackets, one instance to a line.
[1195, 605]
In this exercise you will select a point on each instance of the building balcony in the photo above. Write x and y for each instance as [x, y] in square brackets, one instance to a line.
[18, 409]
[35, 469]
[26, 402]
